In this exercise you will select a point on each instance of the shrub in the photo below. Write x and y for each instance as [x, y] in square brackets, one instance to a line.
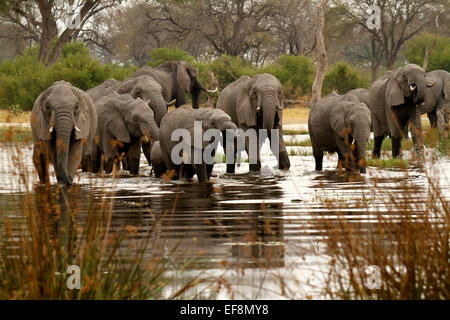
[24, 78]
[161, 55]
[296, 73]
[439, 58]
[342, 77]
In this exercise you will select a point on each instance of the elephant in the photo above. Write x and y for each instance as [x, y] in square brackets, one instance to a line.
[176, 78]
[334, 123]
[102, 89]
[362, 95]
[437, 100]
[122, 123]
[63, 122]
[393, 100]
[186, 117]
[256, 103]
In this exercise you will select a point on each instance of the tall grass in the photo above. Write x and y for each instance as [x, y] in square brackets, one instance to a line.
[402, 252]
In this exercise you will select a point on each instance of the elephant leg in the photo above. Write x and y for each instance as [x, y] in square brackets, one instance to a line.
[75, 157]
[109, 164]
[378, 141]
[96, 159]
[432, 116]
[280, 152]
[146, 149]
[225, 138]
[443, 114]
[209, 170]
[253, 167]
[41, 162]
[201, 171]
[344, 152]
[396, 145]
[134, 157]
[318, 157]
[416, 130]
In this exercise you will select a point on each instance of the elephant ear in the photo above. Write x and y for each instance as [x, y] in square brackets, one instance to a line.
[110, 119]
[39, 125]
[394, 95]
[183, 77]
[245, 110]
[86, 120]
[338, 121]
[126, 86]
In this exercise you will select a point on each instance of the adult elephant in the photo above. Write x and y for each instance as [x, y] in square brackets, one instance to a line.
[362, 95]
[122, 123]
[167, 154]
[256, 103]
[393, 99]
[437, 100]
[340, 124]
[63, 122]
[176, 79]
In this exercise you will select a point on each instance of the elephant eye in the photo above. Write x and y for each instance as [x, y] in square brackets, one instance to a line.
[77, 108]
[138, 93]
[135, 118]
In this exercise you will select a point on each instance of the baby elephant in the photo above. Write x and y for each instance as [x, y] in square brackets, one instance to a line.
[122, 123]
[334, 123]
[191, 125]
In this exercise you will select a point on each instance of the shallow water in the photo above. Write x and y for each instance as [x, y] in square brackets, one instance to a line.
[252, 230]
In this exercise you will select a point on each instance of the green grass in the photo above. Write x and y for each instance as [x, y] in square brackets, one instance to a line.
[294, 132]
[297, 152]
[387, 163]
[296, 143]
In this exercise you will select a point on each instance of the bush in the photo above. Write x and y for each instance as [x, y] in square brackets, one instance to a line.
[24, 78]
[296, 73]
[342, 77]
[161, 55]
[439, 58]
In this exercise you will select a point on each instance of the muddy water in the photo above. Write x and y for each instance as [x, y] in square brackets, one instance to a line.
[252, 230]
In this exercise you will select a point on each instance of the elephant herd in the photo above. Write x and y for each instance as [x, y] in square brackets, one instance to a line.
[110, 124]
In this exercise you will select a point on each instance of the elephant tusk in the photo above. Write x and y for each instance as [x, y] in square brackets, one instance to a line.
[51, 129]
[76, 129]
[412, 87]
[212, 91]
[148, 101]
[258, 109]
[280, 107]
[171, 102]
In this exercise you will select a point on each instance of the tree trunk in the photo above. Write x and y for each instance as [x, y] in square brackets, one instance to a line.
[321, 52]
[49, 31]
[373, 61]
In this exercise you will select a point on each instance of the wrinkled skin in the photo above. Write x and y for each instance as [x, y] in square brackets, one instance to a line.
[122, 123]
[437, 100]
[340, 124]
[184, 117]
[64, 122]
[176, 78]
[393, 102]
[256, 103]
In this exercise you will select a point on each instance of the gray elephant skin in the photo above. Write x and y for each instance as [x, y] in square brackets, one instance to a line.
[184, 117]
[340, 124]
[176, 79]
[63, 122]
[437, 100]
[256, 103]
[123, 122]
[393, 102]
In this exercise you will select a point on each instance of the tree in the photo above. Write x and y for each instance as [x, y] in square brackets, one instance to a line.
[400, 20]
[40, 19]
[440, 57]
[321, 67]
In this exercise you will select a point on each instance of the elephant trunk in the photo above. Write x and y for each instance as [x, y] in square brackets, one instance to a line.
[361, 137]
[420, 87]
[268, 106]
[64, 125]
[158, 105]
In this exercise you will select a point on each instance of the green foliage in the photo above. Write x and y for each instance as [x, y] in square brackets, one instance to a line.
[161, 55]
[295, 73]
[24, 78]
[439, 58]
[342, 77]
